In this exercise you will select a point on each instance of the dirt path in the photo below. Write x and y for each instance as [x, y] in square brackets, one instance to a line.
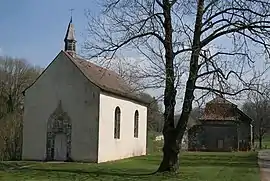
[264, 163]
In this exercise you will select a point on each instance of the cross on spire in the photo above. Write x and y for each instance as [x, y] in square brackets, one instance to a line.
[71, 11]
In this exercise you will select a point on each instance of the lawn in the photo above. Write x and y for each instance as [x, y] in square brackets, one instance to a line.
[194, 167]
[265, 142]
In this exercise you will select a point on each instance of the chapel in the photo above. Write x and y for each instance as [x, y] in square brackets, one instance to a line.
[78, 111]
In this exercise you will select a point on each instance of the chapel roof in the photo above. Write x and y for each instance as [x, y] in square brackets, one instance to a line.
[106, 79]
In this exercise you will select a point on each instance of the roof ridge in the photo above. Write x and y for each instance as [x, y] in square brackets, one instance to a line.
[219, 99]
[93, 63]
[107, 80]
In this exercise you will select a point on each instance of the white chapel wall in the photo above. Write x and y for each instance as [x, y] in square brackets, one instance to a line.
[62, 81]
[127, 145]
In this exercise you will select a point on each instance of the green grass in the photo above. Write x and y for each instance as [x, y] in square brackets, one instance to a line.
[265, 142]
[194, 167]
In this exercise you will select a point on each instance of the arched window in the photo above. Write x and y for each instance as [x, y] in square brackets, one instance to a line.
[136, 124]
[117, 116]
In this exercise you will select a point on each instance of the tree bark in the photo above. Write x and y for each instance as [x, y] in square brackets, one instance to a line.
[193, 72]
[173, 136]
[171, 145]
[260, 142]
[170, 161]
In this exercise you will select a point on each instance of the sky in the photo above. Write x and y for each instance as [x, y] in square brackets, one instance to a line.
[35, 29]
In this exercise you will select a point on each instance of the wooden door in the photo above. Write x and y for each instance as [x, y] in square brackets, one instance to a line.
[220, 144]
[60, 147]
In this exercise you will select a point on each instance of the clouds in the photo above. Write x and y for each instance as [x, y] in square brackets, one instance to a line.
[1, 51]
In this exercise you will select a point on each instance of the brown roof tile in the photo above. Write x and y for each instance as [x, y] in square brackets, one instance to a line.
[107, 80]
[220, 100]
[220, 109]
[218, 117]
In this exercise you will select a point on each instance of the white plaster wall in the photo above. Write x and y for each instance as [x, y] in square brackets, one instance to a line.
[127, 146]
[80, 99]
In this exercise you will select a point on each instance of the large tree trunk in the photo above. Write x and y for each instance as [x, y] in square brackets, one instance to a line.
[173, 136]
[170, 162]
[193, 72]
[171, 150]
[171, 146]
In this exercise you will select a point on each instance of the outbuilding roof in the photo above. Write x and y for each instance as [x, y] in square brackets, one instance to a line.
[220, 109]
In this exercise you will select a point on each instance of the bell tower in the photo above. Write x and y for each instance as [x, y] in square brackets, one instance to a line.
[70, 41]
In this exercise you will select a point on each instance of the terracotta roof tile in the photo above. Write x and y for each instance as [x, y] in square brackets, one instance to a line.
[107, 80]
[219, 109]
[220, 100]
[218, 117]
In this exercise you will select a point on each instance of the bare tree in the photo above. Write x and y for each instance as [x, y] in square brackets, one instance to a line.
[196, 113]
[15, 76]
[11, 136]
[130, 73]
[154, 113]
[258, 108]
[206, 45]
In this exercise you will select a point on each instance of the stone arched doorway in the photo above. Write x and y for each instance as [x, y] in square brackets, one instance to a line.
[59, 129]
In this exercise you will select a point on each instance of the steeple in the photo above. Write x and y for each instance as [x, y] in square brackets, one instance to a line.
[70, 41]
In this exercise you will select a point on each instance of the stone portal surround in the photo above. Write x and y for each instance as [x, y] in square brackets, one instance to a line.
[59, 122]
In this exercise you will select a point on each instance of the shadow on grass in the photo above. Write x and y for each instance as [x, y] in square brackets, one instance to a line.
[225, 160]
[129, 173]
[208, 159]
[93, 172]
[186, 160]
[10, 165]
[222, 164]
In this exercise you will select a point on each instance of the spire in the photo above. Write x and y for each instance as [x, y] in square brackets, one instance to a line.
[70, 41]
[70, 19]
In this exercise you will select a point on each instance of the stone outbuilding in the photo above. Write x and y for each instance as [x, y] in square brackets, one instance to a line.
[223, 127]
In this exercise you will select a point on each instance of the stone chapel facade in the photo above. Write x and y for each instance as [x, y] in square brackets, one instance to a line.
[78, 111]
